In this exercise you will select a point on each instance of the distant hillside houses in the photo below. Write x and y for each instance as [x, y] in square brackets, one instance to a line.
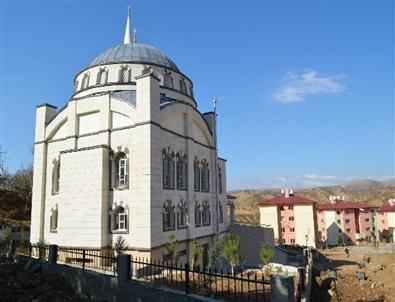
[298, 220]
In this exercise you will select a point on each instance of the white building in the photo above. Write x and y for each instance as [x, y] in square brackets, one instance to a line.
[129, 154]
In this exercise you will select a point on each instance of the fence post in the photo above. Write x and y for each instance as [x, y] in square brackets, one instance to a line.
[52, 254]
[30, 250]
[83, 259]
[123, 267]
[186, 278]
[12, 248]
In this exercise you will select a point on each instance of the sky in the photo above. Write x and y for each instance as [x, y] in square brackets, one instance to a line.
[305, 89]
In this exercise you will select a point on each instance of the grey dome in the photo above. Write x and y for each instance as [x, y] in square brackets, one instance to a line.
[135, 53]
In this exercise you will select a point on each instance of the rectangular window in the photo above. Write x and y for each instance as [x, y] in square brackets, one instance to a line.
[196, 176]
[292, 230]
[183, 86]
[290, 208]
[168, 80]
[283, 240]
[338, 221]
[338, 212]
[122, 173]
[367, 229]
[366, 219]
[291, 218]
[219, 181]
[348, 230]
[205, 179]
[347, 212]
[282, 208]
[292, 240]
[281, 218]
[168, 173]
[283, 230]
[347, 221]
[182, 167]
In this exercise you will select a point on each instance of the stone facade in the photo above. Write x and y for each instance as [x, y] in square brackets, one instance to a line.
[76, 191]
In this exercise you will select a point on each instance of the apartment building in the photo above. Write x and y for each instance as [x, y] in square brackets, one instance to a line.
[386, 221]
[291, 217]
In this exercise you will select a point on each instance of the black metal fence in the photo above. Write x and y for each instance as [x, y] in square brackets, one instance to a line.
[99, 260]
[246, 286]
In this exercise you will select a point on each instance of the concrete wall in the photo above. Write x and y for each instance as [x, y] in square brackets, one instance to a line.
[304, 224]
[269, 218]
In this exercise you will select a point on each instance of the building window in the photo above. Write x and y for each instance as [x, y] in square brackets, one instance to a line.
[292, 240]
[283, 240]
[182, 215]
[76, 86]
[348, 230]
[283, 229]
[221, 213]
[291, 218]
[120, 219]
[338, 212]
[206, 213]
[366, 219]
[121, 170]
[282, 208]
[347, 211]
[183, 86]
[367, 229]
[54, 219]
[168, 169]
[196, 175]
[55, 176]
[191, 91]
[322, 220]
[182, 171]
[338, 221]
[323, 229]
[281, 218]
[168, 80]
[168, 216]
[198, 215]
[347, 221]
[205, 177]
[85, 81]
[290, 208]
[219, 180]
[124, 74]
[292, 230]
[102, 76]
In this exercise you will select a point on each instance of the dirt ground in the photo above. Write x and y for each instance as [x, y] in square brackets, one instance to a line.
[378, 284]
[17, 284]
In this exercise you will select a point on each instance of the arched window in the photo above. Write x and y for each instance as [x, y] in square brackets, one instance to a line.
[182, 171]
[53, 225]
[205, 177]
[168, 216]
[168, 80]
[168, 169]
[221, 213]
[102, 76]
[55, 176]
[206, 219]
[76, 86]
[191, 91]
[182, 215]
[120, 219]
[124, 74]
[183, 86]
[198, 215]
[85, 81]
[196, 175]
[219, 180]
[121, 170]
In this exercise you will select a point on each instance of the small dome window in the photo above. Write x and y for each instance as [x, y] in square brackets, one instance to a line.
[168, 80]
[124, 74]
[183, 86]
[102, 76]
[85, 81]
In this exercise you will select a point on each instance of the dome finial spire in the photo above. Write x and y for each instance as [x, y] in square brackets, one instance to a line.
[126, 38]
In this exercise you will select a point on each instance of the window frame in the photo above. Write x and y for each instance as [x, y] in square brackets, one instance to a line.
[55, 177]
[181, 171]
[168, 169]
[182, 215]
[206, 213]
[168, 217]
[196, 175]
[121, 74]
[198, 215]
[121, 170]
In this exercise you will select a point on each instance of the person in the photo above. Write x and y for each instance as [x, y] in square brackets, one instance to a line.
[347, 251]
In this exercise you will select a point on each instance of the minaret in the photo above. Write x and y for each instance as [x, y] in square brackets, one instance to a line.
[127, 39]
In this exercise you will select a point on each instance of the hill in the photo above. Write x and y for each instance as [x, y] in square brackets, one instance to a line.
[248, 212]
[13, 209]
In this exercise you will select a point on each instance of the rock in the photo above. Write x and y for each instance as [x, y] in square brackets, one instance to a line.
[373, 285]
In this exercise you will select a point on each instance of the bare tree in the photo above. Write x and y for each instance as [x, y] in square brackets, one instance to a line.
[21, 183]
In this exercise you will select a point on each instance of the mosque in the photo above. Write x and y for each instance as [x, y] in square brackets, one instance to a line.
[129, 155]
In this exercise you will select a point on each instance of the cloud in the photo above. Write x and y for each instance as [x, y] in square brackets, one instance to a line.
[296, 86]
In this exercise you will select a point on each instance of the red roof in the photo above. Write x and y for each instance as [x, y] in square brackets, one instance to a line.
[387, 208]
[344, 204]
[285, 201]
